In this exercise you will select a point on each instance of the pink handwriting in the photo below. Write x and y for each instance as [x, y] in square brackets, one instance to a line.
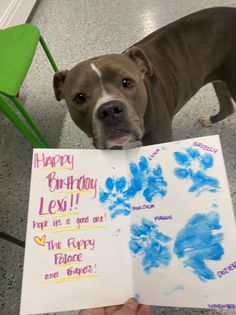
[82, 183]
[59, 205]
[227, 269]
[41, 160]
[204, 147]
[61, 258]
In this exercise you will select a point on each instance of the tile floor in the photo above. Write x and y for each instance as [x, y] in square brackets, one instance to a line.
[76, 30]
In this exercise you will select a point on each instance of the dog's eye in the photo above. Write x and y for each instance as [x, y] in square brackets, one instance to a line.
[80, 98]
[126, 83]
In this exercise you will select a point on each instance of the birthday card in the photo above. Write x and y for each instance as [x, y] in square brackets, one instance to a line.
[155, 223]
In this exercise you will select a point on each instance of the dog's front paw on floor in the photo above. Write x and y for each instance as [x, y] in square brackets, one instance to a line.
[206, 121]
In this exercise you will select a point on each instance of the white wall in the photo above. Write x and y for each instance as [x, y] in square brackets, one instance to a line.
[14, 12]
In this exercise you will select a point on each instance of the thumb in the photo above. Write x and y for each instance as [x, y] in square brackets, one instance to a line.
[129, 308]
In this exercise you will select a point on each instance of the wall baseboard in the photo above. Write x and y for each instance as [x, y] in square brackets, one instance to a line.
[16, 12]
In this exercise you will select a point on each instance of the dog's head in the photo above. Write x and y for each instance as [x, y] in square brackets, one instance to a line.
[106, 96]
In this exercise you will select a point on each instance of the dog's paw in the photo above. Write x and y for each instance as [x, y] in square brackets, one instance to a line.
[206, 121]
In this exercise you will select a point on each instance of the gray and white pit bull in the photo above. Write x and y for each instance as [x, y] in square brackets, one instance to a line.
[118, 98]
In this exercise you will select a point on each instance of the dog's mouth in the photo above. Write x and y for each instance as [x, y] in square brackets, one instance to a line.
[117, 137]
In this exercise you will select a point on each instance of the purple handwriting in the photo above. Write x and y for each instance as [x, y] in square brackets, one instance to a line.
[82, 220]
[80, 271]
[204, 147]
[153, 154]
[142, 207]
[163, 217]
[226, 270]
[81, 244]
[52, 245]
[71, 243]
[99, 218]
[57, 222]
[82, 183]
[61, 258]
[49, 276]
[222, 306]
[41, 160]
[40, 225]
[94, 219]
[64, 204]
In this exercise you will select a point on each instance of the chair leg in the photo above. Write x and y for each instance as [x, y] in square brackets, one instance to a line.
[50, 58]
[30, 121]
[19, 124]
[12, 239]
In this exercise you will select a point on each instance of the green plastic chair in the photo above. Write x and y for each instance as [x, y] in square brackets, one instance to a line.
[17, 49]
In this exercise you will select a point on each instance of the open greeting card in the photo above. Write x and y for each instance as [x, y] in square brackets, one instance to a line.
[155, 223]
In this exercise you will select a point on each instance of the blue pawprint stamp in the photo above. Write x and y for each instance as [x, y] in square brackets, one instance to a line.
[149, 243]
[149, 181]
[116, 196]
[194, 166]
[198, 242]
[142, 179]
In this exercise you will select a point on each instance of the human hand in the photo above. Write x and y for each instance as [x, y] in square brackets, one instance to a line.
[131, 307]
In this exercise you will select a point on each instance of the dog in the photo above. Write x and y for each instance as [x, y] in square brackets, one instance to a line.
[119, 98]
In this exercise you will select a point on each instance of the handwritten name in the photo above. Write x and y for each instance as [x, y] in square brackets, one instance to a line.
[41, 160]
[153, 154]
[163, 217]
[82, 183]
[204, 147]
[79, 271]
[222, 306]
[58, 205]
[226, 270]
[142, 207]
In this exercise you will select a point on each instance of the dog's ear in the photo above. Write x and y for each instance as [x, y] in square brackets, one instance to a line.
[58, 83]
[141, 60]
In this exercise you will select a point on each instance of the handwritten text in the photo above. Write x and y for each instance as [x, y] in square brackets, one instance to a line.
[61, 161]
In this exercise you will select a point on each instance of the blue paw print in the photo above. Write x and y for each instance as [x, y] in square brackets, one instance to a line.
[115, 195]
[150, 182]
[151, 244]
[198, 242]
[146, 180]
[200, 180]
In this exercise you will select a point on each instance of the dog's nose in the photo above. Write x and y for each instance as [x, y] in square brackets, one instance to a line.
[110, 112]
